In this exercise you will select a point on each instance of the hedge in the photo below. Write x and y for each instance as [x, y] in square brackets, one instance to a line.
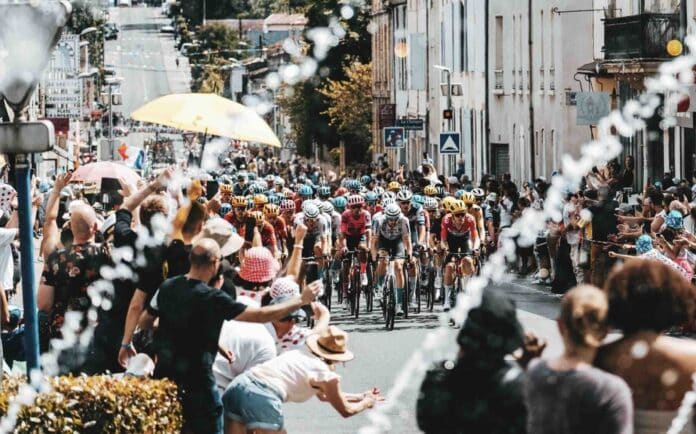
[98, 404]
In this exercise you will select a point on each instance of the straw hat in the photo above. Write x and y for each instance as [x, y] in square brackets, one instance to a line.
[331, 344]
[223, 234]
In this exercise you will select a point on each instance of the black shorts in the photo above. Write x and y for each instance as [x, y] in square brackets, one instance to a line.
[353, 241]
[457, 245]
[392, 247]
[310, 240]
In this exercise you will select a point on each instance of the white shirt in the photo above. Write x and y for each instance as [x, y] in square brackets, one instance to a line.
[290, 374]
[6, 262]
[506, 212]
[250, 343]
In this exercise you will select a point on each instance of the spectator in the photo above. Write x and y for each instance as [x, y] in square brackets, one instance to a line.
[604, 228]
[566, 395]
[190, 315]
[646, 298]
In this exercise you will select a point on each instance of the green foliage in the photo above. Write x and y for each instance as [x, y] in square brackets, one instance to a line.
[98, 404]
[217, 37]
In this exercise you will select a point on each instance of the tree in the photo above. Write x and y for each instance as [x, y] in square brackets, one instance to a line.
[217, 38]
[350, 108]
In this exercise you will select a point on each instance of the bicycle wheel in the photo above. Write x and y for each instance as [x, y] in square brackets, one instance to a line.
[339, 289]
[430, 290]
[369, 294]
[418, 291]
[389, 303]
[355, 293]
[405, 296]
[326, 298]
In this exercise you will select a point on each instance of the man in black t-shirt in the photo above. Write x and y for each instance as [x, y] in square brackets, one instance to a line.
[604, 227]
[191, 314]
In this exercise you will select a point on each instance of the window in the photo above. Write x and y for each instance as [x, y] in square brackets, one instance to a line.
[463, 61]
[542, 45]
[498, 70]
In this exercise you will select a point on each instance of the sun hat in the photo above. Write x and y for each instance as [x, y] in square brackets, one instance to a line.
[283, 287]
[674, 220]
[492, 327]
[331, 344]
[259, 265]
[223, 234]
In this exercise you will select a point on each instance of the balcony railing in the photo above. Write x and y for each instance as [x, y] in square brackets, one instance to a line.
[552, 79]
[499, 83]
[542, 73]
[643, 36]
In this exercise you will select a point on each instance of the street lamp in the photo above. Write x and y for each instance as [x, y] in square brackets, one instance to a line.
[448, 71]
[111, 82]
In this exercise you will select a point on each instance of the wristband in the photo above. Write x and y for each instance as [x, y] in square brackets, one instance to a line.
[298, 246]
[127, 346]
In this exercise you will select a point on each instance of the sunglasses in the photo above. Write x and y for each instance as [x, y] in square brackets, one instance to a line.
[405, 203]
[356, 207]
[240, 208]
[459, 215]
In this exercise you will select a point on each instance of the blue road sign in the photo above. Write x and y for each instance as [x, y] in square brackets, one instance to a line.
[394, 137]
[450, 143]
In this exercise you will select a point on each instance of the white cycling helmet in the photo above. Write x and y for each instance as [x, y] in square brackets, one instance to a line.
[404, 195]
[430, 203]
[310, 210]
[392, 211]
[326, 207]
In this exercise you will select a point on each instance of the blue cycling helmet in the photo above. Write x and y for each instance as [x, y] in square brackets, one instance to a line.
[324, 191]
[417, 200]
[306, 191]
[458, 194]
[225, 209]
[340, 203]
[366, 179]
[370, 197]
[354, 186]
[274, 199]
[251, 176]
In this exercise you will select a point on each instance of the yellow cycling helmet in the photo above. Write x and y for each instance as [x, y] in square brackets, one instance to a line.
[271, 210]
[447, 203]
[258, 216]
[239, 201]
[260, 199]
[468, 198]
[394, 186]
[430, 190]
[458, 207]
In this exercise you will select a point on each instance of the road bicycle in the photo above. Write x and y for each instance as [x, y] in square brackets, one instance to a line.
[389, 292]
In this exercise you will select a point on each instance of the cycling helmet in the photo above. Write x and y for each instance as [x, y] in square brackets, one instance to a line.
[225, 208]
[354, 185]
[340, 203]
[430, 203]
[388, 195]
[430, 190]
[370, 197]
[468, 198]
[378, 190]
[311, 211]
[306, 191]
[271, 210]
[279, 181]
[447, 203]
[250, 202]
[258, 216]
[366, 179]
[326, 207]
[274, 199]
[387, 201]
[301, 179]
[417, 200]
[440, 191]
[251, 176]
[356, 199]
[403, 195]
[324, 191]
[393, 186]
[226, 189]
[478, 193]
[269, 178]
[458, 194]
[260, 199]
[287, 205]
[289, 194]
[458, 206]
[392, 211]
[239, 201]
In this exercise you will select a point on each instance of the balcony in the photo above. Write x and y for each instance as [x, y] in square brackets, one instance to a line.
[542, 77]
[552, 80]
[499, 83]
[643, 36]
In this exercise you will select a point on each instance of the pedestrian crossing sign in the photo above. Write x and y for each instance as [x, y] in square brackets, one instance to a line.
[450, 143]
[394, 137]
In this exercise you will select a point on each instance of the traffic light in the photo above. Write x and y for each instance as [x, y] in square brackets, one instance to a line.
[447, 114]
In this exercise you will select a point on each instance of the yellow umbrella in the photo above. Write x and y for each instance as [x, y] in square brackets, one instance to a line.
[207, 113]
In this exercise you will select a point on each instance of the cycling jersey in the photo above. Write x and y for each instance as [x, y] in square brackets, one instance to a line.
[416, 219]
[477, 213]
[352, 226]
[466, 231]
[279, 229]
[435, 225]
[320, 227]
[390, 232]
[239, 225]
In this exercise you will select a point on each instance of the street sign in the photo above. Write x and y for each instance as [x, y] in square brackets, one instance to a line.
[411, 124]
[591, 107]
[449, 143]
[26, 137]
[394, 137]
[61, 87]
[387, 115]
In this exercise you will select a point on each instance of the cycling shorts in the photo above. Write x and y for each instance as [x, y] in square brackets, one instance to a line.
[392, 247]
[352, 242]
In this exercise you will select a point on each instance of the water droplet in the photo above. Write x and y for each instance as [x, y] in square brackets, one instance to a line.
[669, 377]
[640, 349]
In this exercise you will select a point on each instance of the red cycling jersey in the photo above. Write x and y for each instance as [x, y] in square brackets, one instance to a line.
[279, 228]
[467, 228]
[352, 226]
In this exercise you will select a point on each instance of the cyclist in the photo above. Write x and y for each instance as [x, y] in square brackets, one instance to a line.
[304, 193]
[272, 213]
[340, 203]
[416, 219]
[434, 213]
[316, 241]
[241, 188]
[279, 185]
[392, 237]
[394, 187]
[267, 232]
[367, 182]
[324, 192]
[237, 217]
[356, 224]
[287, 214]
[457, 232]
[260, 201]
[371, 204]
[475, 210]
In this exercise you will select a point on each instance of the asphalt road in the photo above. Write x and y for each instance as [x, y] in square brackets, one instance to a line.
[146, 60]
[395, 361]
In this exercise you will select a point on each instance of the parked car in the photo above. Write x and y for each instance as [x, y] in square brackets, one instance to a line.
[111, 31]
[167, 29]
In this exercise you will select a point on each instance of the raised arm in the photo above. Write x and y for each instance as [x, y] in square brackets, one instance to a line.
[51, 232]
[132, 202]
